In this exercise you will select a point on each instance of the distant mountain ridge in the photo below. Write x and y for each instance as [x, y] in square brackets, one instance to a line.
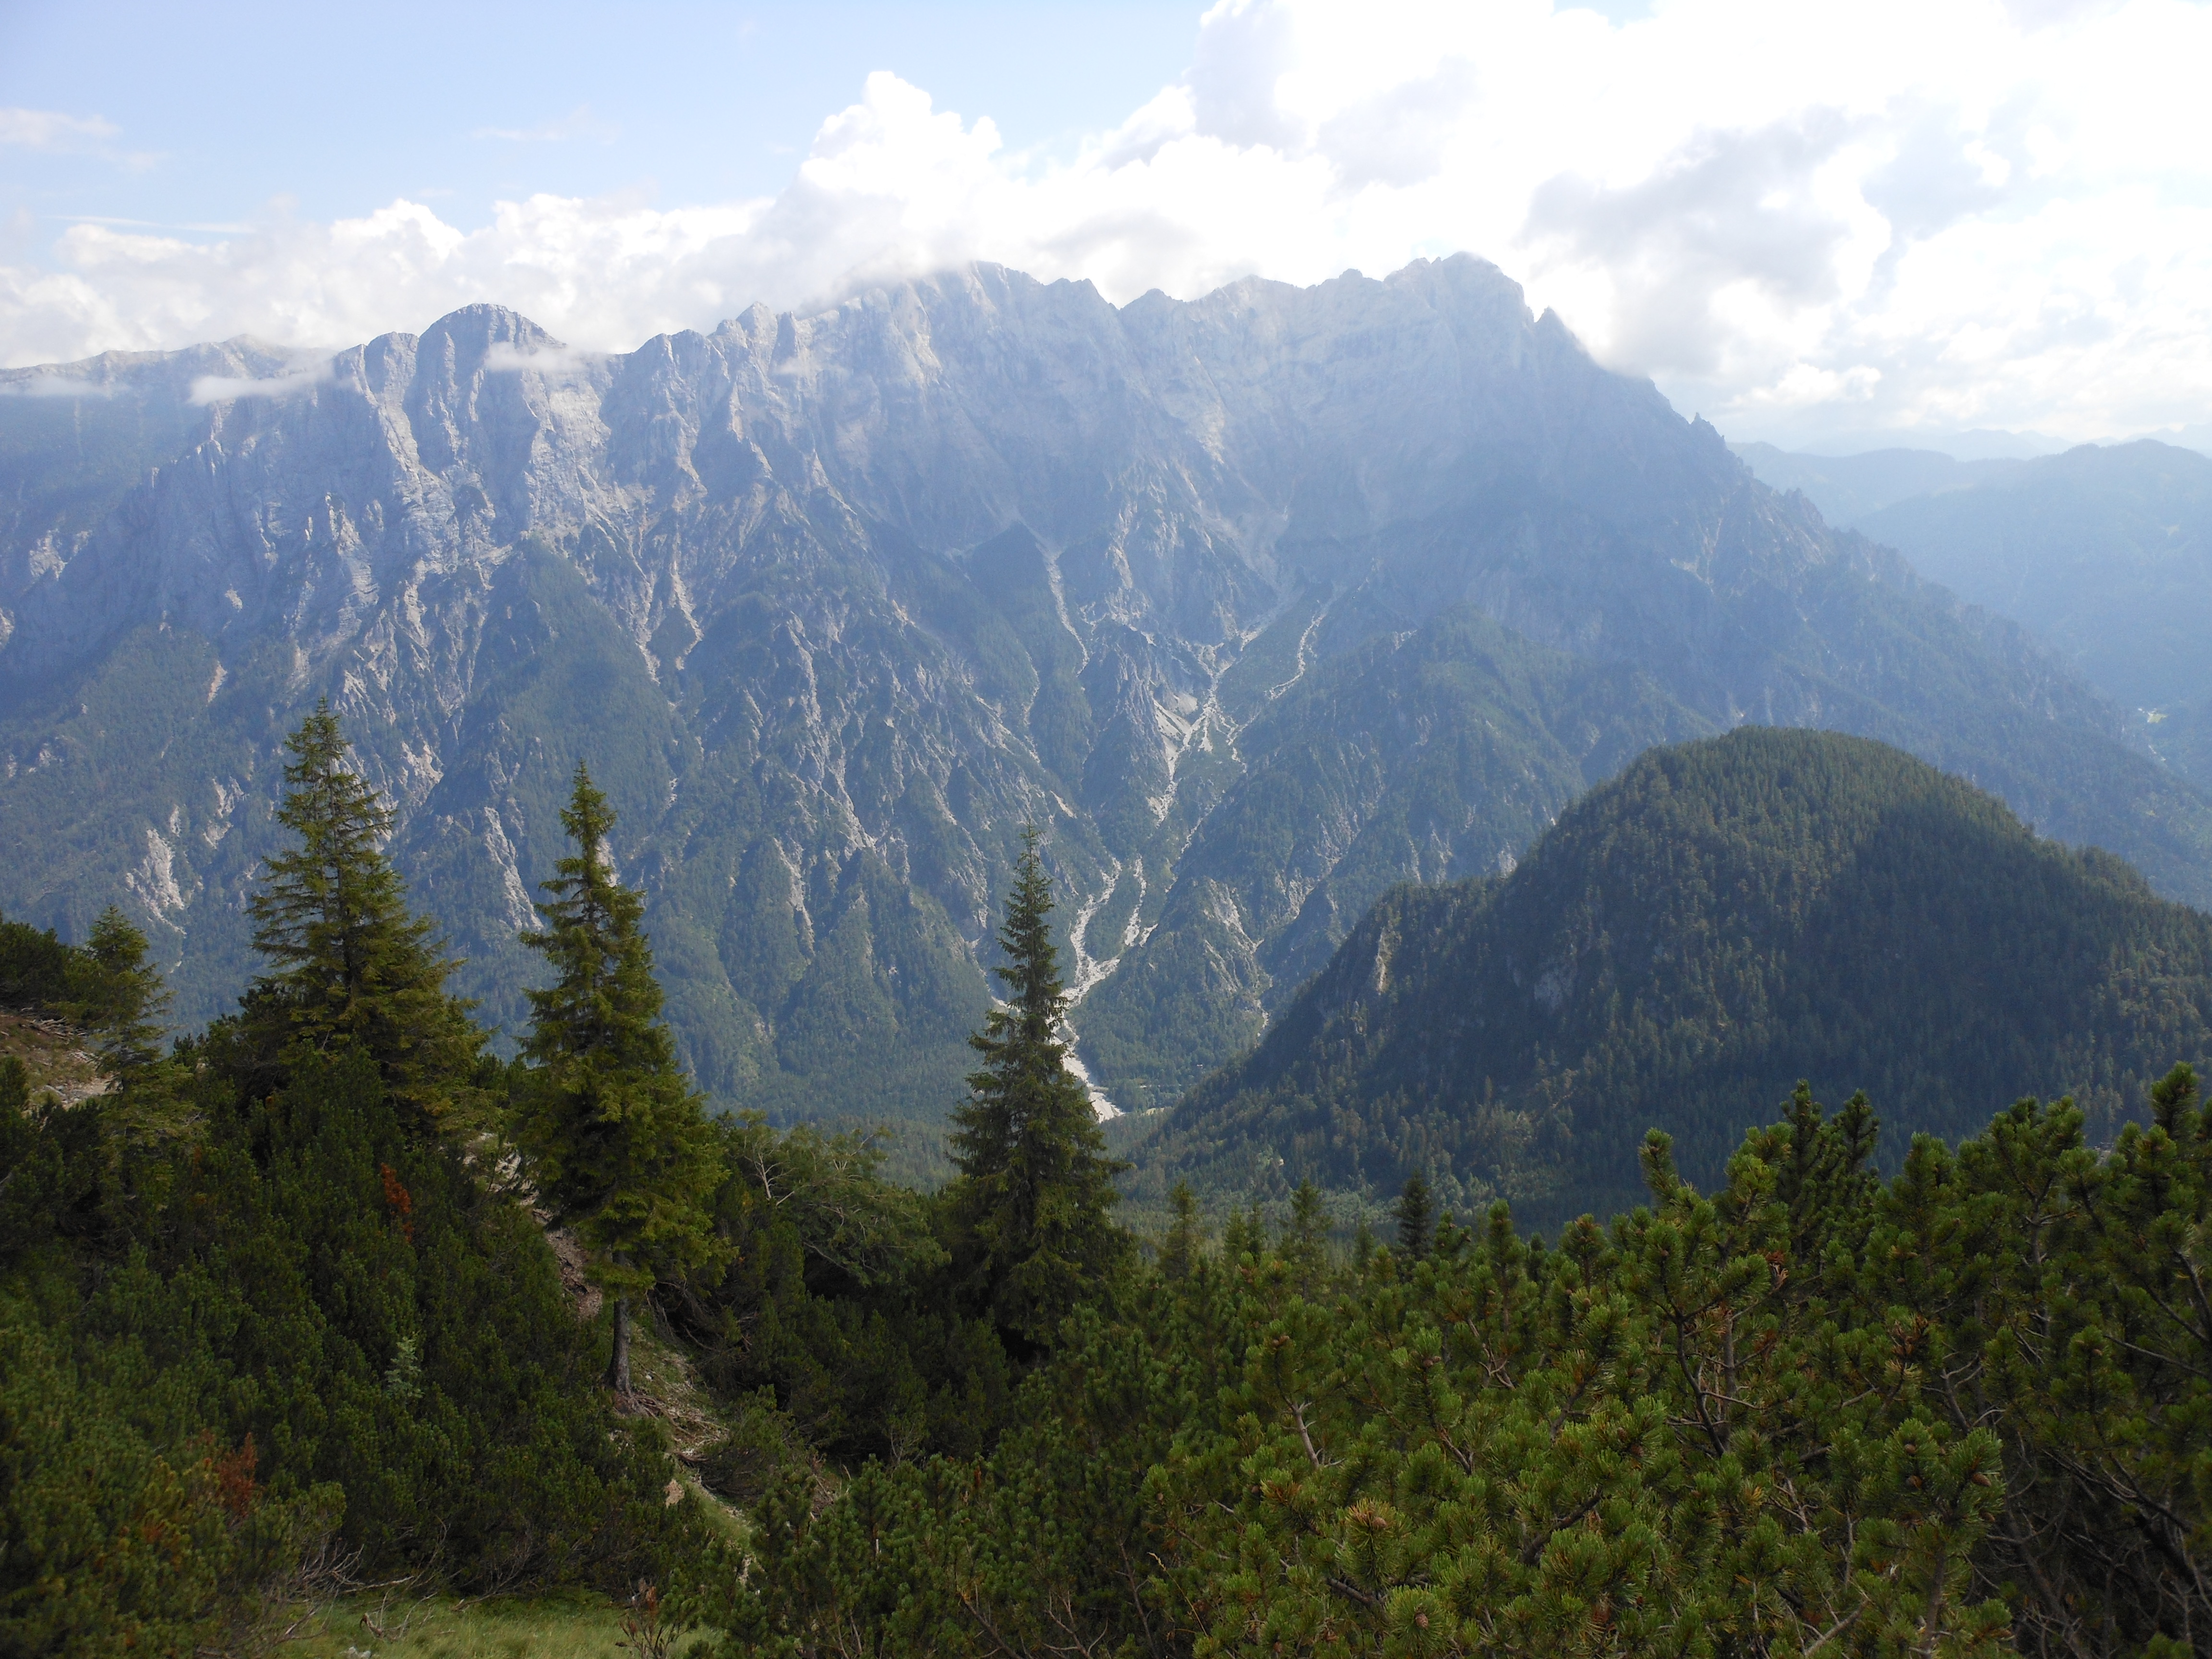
[2103, 553]
[1258, 603]
[1847, 488]
[1724, 919]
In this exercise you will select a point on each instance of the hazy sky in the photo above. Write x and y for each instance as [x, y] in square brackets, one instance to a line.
[1804, 220]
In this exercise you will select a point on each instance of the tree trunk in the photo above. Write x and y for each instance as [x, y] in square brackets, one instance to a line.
[618, 1366]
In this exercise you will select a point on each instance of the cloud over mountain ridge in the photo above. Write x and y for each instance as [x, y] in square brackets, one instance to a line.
[1787, 216]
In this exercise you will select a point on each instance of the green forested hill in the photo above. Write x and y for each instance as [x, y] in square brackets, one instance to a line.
[1724, 919]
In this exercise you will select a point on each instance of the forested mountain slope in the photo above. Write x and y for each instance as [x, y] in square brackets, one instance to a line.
[1724, 919]
[1256, 605]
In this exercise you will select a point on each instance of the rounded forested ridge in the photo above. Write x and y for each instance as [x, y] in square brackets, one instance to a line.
[1688, 941]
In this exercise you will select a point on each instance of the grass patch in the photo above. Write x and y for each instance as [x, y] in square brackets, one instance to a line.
[54, 1056]
[559, 1625]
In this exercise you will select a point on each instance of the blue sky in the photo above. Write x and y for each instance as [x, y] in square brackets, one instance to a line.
[342, 107]
[1803, 217]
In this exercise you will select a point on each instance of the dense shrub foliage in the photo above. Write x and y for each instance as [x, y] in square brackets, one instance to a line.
[300, 1320]
[1962, 1411]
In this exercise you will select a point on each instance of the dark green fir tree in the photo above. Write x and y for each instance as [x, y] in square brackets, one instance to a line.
[1305, 1241]
[351, 966]
[1416, 1218]
[116, 996]
[1032, 1203]
[1186, 1235]
[613, 1136]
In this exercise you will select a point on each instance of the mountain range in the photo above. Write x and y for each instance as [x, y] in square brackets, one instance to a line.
[1258, 604]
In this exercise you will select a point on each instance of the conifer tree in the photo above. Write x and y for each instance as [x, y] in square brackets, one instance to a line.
[1305, 1241]
[1244, 1234]
[612, 1133]
[1032, 1203]
[116, 994]
[351, 966]
[1185, 1236]
[1416, 1218]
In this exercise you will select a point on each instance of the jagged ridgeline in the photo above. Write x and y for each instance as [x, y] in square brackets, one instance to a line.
[1724, 919]
[1256, 605]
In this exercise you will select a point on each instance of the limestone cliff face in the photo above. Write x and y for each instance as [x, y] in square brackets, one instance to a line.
[1257, 604]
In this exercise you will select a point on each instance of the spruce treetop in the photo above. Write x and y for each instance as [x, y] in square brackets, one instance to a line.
[604, 1006]
[351, 966]
[1306, 1240]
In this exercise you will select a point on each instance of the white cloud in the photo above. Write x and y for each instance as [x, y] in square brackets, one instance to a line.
[224, 388]
[46, 129]
[1891, 213]
[220, 227]
[502, 358]
[51, 385]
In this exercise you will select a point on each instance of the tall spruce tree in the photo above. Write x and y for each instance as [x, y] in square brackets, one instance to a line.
[1032, 1203]
[1416, 1218]
[613, 1136]
[1306, 1240]
[1186, 1235]
[351, 966]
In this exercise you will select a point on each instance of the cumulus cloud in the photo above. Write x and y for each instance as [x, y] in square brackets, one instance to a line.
[1729, 213]
[1797, 214]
